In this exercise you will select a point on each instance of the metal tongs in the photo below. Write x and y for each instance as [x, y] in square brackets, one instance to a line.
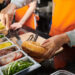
[33, 37]
[15, 33]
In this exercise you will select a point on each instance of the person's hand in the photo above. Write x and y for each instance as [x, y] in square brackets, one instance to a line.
[6, 19]
[7, 14]
[53, 44]
[15, 26]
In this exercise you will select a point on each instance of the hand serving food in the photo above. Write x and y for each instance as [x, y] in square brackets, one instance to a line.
[53, 44]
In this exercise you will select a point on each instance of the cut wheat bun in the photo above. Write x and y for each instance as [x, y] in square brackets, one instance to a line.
[33, 49]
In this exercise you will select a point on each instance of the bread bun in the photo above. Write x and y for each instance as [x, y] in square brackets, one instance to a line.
[39, 60]
[34, 49]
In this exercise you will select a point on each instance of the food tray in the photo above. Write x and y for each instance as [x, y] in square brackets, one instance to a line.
[14, 56]
[3, 40]
[5, 44]
[8, 50]
[62, 72]
[25, 58]
[26, 70]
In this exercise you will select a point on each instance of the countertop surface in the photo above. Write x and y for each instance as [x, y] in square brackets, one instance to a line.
[44, 70]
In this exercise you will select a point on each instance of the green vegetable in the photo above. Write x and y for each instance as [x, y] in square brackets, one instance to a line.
[16, 67]
[1, 36]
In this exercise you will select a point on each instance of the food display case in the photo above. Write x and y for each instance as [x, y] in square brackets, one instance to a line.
[13, 60]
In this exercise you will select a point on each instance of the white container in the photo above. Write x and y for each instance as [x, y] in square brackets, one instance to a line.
[62, 72]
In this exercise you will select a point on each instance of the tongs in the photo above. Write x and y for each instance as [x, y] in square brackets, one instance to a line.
[33, 37]
[14, 33]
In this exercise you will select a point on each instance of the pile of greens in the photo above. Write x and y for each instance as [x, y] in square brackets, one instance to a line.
[16, 67]
[1, 36]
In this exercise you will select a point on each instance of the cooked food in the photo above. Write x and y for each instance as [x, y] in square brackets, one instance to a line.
[34, 49]
[16, 67]
[2, 40]
[10, 58]
[7, 51]
[1, 26]
[5, 44]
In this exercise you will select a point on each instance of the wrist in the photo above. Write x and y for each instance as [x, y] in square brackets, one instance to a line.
[64, 38]
[20, 24]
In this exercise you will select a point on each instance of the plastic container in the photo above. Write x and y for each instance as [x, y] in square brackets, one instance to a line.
[62, 72]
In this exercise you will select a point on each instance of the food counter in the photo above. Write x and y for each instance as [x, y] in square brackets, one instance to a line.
[13, 60]
[12, 50]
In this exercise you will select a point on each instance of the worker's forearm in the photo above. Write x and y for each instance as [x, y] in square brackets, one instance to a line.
[28, 14]
[9, 9]
[71, 35]
[63, 39]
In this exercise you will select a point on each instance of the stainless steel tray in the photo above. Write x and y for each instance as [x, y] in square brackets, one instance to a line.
[24, 71]
[8, 50]
[26, 57]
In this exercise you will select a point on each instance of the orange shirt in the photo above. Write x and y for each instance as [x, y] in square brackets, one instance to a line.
[63, 18]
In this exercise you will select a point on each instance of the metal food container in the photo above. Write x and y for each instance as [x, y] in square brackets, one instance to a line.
[62, 72]
[9, 58]
[5, 44]
[8, 50]
[26, 70]
[3, 40]
[25, 57]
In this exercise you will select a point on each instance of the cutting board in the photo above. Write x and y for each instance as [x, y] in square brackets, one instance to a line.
[40, 39]
[25, 36]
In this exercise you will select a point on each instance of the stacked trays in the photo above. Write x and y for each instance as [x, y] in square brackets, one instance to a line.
[13, 60]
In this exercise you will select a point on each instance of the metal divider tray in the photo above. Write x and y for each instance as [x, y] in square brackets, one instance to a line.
[34, 66]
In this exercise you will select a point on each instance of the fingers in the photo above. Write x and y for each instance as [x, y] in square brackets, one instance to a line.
[2, 18]
[50, 53]
[14, 26]
[46, 43]
[7, 21]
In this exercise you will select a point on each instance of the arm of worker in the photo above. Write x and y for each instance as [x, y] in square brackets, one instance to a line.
[31, 9]
[71, 35]
[54, 43]
[6, 15]
[9, 9]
